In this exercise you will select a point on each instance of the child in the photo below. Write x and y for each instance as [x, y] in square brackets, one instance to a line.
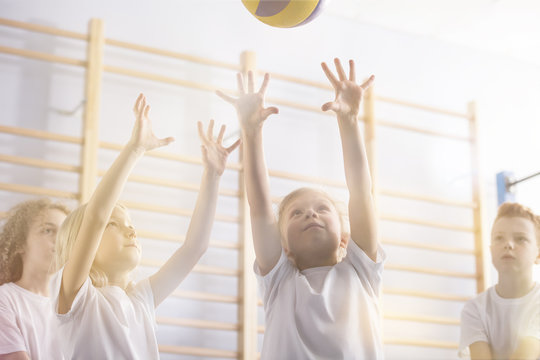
[323, 302]
[26, 265]
[503, 322]
[102, 314]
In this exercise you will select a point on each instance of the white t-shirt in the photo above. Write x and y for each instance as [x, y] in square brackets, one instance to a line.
[108, 322]
[329, 312]
[499, 321]
[27, 323]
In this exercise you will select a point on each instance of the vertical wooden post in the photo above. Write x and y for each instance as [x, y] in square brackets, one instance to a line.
[94, 71]
[370, 143]
[480, 245]
[247, 291]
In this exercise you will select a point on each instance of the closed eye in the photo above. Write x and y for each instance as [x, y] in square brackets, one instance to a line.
[112, 223]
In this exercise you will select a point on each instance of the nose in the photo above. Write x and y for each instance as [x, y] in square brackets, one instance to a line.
[311, 213]
[509, 244]
[131, 233]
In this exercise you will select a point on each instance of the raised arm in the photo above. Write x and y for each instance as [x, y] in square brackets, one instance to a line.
[184, 259]
[252, 114]
[102, 203]
[346, 105]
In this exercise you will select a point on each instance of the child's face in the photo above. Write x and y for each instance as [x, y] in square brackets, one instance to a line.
[119, 249]
[514, 247]
[40, 242]
[312, 228]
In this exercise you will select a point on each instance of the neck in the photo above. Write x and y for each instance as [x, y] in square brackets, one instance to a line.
[34, 280]
[307, 263]
[118, 279]
[512, 286]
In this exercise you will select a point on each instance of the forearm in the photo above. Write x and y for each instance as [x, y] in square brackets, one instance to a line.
[357, 173]
[256, 176]
[171, 274]
[110, 187]
[202, 219]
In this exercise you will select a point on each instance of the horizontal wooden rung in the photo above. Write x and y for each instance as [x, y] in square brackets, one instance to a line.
[429, 271]
[36, 55]
[421, 222]
[417, 245]
[39, 163]
[196, 323]
[422, 318]
[421, 343]
[42, 29]
[172, 54]
[425, 198]
[196, 351]
[424, 131]
[421, 107]
[202, 269]
[39, 191]
[173, 184]
[195, 295]
[168, 156]
[426, 294]
[181, 238]
[39, 134]
[173, 211]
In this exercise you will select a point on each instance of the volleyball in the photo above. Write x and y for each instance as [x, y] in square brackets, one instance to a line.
[285, 13]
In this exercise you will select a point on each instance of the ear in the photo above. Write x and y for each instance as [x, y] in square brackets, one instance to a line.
[290, 255]
[344, 240]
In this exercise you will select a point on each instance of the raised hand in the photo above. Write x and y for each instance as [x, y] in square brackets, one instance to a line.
[250, 105]
[348, 92]
[214, 154]
[143, 137]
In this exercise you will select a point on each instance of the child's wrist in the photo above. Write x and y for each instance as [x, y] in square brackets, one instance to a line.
[137, 150]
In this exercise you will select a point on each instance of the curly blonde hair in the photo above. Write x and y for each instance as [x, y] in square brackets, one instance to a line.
[14, 233]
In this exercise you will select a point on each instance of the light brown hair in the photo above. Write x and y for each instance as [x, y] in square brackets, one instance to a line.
[16, 226]
[510, 209]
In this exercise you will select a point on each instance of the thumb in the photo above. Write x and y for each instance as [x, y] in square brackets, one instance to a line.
[165, 141]
[330, 106]
[269, 111]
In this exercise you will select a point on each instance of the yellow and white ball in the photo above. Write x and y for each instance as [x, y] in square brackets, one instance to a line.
[285, 13]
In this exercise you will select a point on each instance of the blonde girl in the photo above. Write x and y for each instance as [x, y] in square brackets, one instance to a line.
[102, 314]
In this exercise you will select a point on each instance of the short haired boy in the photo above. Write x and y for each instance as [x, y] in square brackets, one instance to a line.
[503, 322]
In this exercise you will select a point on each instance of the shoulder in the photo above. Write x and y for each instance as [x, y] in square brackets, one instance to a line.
[9, 293]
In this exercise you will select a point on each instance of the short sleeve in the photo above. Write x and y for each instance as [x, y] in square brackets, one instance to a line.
[472, 328]
[143, 293]
[269, 283]
[78, 302]
[369, 271]
[11, 338]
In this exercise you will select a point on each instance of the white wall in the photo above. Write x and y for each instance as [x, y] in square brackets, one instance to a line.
[407, 67]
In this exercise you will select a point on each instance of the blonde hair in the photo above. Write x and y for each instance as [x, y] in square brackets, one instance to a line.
[510, 209]
[287, 200]
[15, 232]
[66, 238]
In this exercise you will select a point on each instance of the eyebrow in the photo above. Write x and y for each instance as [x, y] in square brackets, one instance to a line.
[48, 223]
